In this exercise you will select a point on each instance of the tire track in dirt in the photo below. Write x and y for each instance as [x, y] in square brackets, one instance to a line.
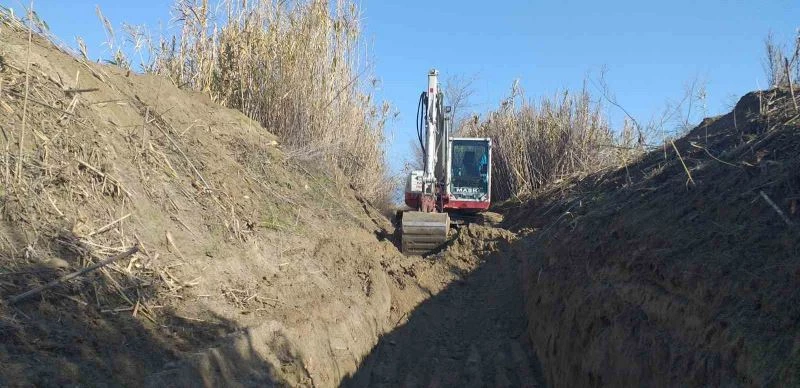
[471, 334]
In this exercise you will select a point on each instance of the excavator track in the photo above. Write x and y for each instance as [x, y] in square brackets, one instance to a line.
[423, 233]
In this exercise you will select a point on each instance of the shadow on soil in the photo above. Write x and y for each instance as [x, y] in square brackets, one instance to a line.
[54, 346]
[473, 333]
[57, 339]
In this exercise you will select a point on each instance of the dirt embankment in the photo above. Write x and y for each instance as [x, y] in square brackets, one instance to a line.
[255, 269]
[649, 276]
[471, 333]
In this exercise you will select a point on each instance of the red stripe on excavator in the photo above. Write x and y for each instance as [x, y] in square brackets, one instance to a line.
[412, 201]
[467, 205]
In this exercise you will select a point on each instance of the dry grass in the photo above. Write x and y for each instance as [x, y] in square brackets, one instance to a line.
[294, 66]
[536, 144]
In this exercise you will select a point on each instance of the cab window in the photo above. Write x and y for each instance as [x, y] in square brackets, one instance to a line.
[470, 160]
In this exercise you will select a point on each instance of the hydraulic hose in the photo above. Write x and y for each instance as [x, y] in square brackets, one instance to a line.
[440, 121]
[422, 119]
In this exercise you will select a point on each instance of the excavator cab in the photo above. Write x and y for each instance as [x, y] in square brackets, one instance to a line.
[469, 178]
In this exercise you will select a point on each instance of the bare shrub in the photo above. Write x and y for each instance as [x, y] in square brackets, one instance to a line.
[781, 66]
[458, 91]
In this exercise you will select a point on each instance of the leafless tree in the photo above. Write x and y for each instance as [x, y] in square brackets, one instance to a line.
[773, 61]
[781, 66]
[458, 91]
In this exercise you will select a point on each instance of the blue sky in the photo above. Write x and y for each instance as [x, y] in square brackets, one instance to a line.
[651, 49]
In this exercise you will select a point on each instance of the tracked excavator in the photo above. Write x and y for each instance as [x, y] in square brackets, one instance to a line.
[455, 182]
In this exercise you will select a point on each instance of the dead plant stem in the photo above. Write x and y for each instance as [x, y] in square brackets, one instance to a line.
[73, 275]
[775, 207]
[25, 99]
[788, 67]
[689, 174]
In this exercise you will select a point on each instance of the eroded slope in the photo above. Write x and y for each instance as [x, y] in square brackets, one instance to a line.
[255, 268]
[649, 276]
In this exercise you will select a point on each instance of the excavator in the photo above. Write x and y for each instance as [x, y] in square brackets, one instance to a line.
[456, 178]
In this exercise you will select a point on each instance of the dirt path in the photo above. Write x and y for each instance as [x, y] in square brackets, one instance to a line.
[473, 333]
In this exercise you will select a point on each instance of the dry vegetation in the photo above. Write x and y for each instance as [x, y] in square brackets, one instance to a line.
[781, 65]
[294, 66]
[538, 143]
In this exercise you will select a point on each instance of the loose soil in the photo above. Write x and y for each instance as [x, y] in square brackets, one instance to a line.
[470, 334]
[255, 269]
[647, 276]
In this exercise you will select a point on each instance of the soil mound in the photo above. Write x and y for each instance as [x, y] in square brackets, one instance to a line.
[254, 269]
[681, 269]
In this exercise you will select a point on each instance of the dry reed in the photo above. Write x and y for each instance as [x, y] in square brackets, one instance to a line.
[295, 67]
[536, 144]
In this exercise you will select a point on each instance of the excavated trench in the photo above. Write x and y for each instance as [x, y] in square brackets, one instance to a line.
[253, 270]
[682, 269]
[258, 271]
[472, 333]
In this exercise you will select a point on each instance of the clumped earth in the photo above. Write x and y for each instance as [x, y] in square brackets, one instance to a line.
[679, 269]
